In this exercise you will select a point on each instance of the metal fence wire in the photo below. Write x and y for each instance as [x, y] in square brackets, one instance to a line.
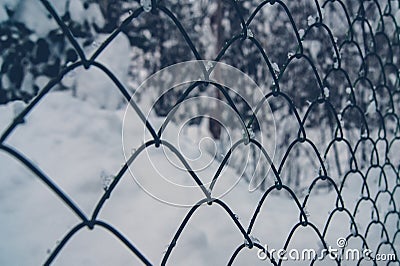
[387, 126]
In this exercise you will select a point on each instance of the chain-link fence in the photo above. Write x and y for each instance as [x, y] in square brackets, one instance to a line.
[367, 130]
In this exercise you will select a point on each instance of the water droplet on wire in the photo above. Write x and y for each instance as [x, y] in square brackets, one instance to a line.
[276, 69]
[290, 55]
[301, 33]
[310, 20]
[326, 92]
[106, 180]
[249, 33]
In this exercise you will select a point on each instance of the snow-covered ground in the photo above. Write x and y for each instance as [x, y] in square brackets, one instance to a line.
[79, 145]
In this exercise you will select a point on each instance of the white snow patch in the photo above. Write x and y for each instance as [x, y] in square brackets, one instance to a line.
[76, 144]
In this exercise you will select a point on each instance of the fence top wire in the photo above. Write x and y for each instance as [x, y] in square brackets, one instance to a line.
[385, 10]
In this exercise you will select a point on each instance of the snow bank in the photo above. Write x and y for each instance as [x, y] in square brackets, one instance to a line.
[77, 145]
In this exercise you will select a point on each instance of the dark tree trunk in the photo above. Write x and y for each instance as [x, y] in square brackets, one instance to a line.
[213, 125]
